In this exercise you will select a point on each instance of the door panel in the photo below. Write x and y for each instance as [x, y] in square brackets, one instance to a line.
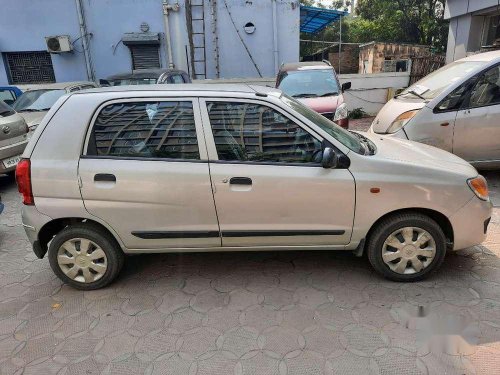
[477, 129]
[477, 134]
[284, 205]
[269, 186]
[146, 174]
[153, 204]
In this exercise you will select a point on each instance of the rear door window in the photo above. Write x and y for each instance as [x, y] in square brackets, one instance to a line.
[156, 129]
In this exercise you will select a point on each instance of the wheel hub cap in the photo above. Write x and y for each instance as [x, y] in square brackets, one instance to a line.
[82, 260]
[409, 250]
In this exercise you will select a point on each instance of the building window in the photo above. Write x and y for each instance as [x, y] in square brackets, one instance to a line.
[145, 130]
[29, 67]
[491, 31]
[395, 66]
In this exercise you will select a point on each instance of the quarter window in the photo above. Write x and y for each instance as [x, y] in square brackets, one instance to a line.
[145, 130]
[256, 133]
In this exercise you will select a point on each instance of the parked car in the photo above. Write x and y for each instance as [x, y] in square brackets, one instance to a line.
[147, 77]
[316, 85]
[456, 108]
[9, 94]
[36, 101]
[13, 138]
[235, 167]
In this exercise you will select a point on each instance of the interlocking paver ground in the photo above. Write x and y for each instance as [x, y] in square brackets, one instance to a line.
[249, 313]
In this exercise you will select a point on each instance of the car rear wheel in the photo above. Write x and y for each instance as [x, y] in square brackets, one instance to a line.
[85, 257]
[406, 247]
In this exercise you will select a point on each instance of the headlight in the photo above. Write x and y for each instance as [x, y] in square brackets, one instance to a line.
[401, 121]
[341, 112]
[480, 187]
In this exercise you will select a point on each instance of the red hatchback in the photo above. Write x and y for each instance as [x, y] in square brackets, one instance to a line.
[315, 84]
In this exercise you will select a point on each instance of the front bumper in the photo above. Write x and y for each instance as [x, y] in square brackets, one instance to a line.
[470, 223]
[10, 151]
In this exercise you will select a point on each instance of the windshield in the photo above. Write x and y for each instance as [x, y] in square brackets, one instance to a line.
[309, 83]
[37, 100]
[133, 81]
[343, 136]
[435, 83]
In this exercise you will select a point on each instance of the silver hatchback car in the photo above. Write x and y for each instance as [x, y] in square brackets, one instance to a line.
[191, 168]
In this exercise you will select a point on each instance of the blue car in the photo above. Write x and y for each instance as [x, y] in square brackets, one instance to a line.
[9, 94]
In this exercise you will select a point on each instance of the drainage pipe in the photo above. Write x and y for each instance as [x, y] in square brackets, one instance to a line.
[84, 35]
[275, 38]
[168, 42]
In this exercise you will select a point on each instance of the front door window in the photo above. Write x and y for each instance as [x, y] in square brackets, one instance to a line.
[249, 132]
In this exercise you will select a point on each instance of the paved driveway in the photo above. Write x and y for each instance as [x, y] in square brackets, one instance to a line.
[249, 313]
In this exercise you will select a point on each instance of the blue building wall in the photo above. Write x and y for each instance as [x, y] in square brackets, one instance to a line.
[25, 23]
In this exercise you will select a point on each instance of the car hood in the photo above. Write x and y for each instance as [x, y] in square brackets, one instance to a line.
[323, 104]
[33, 118]
[419, 154]
[391, 110]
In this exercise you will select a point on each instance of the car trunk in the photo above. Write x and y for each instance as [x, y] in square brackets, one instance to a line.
[12, 129]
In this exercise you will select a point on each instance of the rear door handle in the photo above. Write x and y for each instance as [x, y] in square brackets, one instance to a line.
[105, 177]
[240, 181]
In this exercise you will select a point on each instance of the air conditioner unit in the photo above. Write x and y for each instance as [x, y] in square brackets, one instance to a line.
[58, 44]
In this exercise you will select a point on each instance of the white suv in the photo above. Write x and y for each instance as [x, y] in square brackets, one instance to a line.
[143, 169]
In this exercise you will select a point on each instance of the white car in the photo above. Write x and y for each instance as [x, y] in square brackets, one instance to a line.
[456, 108]
[143, 169]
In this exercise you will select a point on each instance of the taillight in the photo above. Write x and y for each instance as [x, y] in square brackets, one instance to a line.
[23, 178]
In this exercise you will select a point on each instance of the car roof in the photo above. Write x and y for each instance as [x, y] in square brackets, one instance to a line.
[144, 73]
[55, 86]
[486, 56]
[305, 65]
[189, 87]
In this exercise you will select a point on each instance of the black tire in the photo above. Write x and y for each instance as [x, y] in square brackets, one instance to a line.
[391, 224]
[114, 254]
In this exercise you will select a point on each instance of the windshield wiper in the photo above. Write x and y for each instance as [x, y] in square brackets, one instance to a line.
[410, 92]
[33, 110]
[330, 94]
[365, 142]
[304, 96]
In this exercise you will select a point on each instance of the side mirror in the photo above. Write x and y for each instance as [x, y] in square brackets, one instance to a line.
[330, 159]
[346, 86]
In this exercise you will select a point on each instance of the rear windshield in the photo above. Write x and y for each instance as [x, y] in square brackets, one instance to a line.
[133, 81]
[5, 110]
[37, 100]
[309, 83]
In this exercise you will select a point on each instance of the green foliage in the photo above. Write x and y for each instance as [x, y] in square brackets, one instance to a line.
[357, 113]
[400, 21]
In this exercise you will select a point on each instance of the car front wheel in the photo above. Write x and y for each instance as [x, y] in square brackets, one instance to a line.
[406, 247]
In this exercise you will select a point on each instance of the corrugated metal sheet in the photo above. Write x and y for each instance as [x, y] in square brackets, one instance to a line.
[145, 56]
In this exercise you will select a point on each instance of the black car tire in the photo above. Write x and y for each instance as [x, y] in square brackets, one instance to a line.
[391, 224]
[114, 254]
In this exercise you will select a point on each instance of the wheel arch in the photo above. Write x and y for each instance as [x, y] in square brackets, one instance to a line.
[441, 219]
[53, 227]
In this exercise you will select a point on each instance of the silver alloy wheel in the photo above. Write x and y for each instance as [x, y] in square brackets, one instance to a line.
[409, 250]
[82, 260]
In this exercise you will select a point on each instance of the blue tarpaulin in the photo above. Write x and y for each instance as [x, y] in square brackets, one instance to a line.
[313, 20]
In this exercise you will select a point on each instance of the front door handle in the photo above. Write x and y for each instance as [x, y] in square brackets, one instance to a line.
[105, 177]
[240, 181]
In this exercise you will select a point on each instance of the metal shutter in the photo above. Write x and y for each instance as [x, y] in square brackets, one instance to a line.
[29, 67]
[145, 56]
